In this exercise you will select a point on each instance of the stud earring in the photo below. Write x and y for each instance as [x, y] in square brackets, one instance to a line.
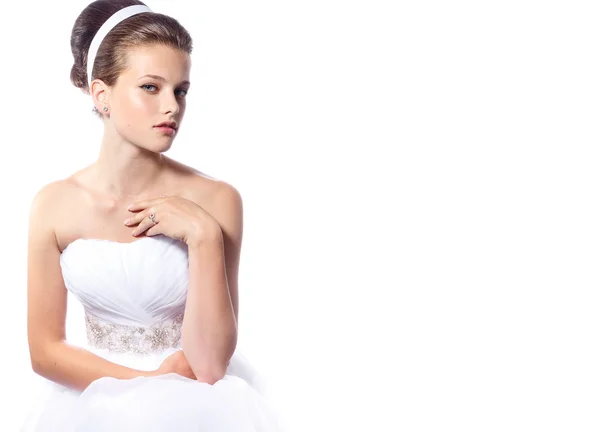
[105, 108]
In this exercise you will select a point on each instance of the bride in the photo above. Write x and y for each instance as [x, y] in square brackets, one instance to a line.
[149, 246]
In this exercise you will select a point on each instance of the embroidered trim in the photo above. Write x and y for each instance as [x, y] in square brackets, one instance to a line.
[139, 340]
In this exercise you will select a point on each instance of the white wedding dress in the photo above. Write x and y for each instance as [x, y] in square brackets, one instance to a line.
[133, 295]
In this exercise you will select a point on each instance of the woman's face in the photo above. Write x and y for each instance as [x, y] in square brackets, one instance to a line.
[152, 90]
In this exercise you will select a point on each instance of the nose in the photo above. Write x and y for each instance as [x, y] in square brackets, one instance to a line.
[170, 104]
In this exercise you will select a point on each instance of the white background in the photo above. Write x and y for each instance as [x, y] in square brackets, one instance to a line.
[420, 182]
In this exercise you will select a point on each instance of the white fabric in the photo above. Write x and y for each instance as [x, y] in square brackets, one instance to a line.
[141, 284]
[108, 25]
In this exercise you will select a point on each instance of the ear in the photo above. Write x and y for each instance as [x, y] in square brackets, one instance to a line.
[99, 92]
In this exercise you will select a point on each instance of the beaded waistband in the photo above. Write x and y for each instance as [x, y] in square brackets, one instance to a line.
[140, 340]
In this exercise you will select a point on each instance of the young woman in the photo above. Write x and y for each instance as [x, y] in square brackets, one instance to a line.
[149, 246]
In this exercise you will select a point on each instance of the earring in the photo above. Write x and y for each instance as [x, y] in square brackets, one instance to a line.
[105, 108]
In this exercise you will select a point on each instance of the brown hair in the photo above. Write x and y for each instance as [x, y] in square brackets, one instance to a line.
[143, 29]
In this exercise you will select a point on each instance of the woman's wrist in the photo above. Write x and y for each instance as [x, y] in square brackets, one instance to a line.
[210, 238]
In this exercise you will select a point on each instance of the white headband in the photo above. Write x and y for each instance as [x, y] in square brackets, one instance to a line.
[108, 25]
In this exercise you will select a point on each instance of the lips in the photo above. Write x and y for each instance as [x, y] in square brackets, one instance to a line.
[172, 125]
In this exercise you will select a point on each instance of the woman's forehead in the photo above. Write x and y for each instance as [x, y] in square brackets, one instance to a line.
[158, 60]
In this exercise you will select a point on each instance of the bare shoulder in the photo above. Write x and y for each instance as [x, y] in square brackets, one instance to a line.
[206, 190]
[48, 202]
[59, 191]
[218, 198]
[51, 209]
[48, 193]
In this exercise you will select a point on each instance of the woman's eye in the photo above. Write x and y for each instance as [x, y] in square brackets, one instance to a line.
[181, 92]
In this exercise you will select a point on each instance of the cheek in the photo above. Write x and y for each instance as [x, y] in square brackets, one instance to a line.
[140, 103]
[132, 113]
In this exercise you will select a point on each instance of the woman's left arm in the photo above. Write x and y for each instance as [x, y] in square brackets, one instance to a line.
[209, 332]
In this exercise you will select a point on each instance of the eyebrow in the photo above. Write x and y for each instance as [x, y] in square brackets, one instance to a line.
[159, 78]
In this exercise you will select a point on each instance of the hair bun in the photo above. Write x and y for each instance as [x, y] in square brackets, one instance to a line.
[79, 77]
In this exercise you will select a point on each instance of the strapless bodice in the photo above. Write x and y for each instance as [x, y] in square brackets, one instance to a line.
[133, 293]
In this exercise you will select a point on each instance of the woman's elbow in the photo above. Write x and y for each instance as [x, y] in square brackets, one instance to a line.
[210, 375]
[40, 356]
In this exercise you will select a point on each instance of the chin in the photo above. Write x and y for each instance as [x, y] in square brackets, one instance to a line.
[157, 145]
[164, 148]
[156, 148]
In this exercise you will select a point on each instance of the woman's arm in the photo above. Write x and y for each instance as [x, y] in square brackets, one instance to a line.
[51, 356]
[209, 333]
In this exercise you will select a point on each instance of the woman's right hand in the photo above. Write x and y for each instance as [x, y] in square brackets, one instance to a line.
[176, 363]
